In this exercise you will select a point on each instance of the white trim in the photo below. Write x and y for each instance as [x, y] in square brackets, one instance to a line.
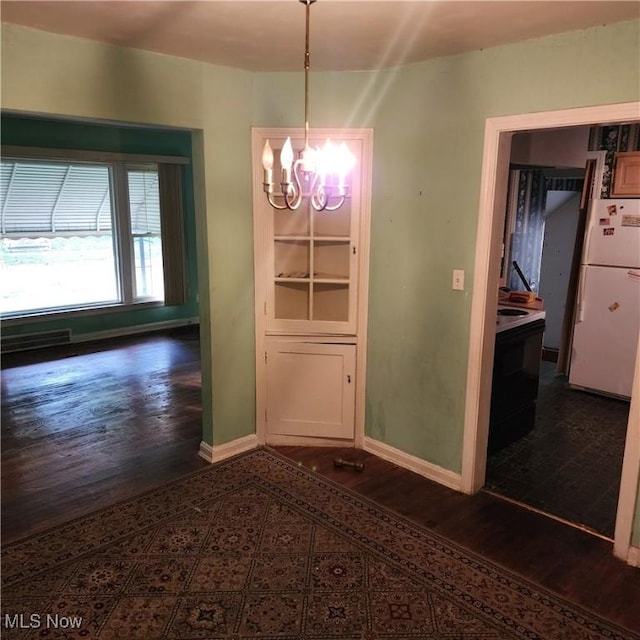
[206, 451]
[630, 474]
[362, 303]
[493, 195]
[260, 288]
[633, 558]
[216, 453]
[307, 338]
[482, 330]
[417, 465]
[280, 440]
[580, 116]
[124, 243]
[598, 176]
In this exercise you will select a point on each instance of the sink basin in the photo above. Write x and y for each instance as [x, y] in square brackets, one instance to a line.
[512, 317]
[512, 312]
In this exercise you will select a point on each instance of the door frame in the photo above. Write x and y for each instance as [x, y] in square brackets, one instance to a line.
[491, 215]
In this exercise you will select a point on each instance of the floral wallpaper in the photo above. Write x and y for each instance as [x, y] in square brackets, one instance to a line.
[528, 234]
[613, 138]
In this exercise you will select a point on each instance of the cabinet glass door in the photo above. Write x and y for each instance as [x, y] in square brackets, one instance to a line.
[313, 263]
[291, 265]
[332, 263]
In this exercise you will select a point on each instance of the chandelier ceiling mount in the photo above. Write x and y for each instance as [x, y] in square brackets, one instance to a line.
[317, 174]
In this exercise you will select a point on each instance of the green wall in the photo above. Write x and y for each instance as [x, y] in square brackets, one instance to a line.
[61, 134]
[54, 75]
[429, 124]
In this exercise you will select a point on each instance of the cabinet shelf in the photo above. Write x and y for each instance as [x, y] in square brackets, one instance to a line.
[317, 277]
[287, 237]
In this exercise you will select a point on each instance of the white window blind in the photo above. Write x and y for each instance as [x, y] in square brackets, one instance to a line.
[144, 201]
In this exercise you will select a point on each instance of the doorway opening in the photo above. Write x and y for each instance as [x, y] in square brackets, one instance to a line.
[569, 464]
[498, 136]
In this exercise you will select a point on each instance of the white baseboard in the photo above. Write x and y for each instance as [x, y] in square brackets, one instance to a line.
[206, 451]
[633, 556]
[417, 465]
[278, 440]
[216, 453]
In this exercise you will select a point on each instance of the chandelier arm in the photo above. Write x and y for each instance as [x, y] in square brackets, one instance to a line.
[274, 204]
[292, 202]
[317, 192]
[317, 203]
[293, 197]
[335, 207]
[314, 182]
[319, 199]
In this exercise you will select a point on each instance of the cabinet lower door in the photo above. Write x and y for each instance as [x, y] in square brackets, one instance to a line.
[311, 389]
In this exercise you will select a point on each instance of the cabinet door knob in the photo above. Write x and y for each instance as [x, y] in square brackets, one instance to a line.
[349, 379]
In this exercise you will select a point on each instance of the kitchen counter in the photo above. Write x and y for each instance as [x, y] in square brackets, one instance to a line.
[504, 322]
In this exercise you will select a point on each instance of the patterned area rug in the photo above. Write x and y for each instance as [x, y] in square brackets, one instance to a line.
[256, 547]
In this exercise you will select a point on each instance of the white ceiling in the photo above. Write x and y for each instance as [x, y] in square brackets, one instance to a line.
[267, 35]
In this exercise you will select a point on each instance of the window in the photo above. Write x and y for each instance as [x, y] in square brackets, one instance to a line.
[144, 226]
[85, 234]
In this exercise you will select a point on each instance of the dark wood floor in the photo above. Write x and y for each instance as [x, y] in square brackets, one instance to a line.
[86, 425]
[81, 430]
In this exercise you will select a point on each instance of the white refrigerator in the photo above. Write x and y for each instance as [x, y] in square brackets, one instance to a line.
[607, 326]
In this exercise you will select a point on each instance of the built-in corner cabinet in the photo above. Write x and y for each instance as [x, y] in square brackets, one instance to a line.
[311, 279]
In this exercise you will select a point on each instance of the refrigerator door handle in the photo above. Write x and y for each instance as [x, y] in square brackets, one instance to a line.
[581, 286]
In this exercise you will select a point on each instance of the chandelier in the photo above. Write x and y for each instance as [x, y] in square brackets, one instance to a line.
[317, 174]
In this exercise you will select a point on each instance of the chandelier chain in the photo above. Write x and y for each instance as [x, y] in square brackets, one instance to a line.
[319, 175]
[307, 65]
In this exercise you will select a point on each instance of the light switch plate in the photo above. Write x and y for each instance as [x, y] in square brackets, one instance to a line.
[458, 280]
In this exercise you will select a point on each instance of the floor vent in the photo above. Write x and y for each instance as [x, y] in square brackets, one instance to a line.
[35, 340]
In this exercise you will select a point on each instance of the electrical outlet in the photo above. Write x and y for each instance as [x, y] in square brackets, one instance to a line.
[458, 280]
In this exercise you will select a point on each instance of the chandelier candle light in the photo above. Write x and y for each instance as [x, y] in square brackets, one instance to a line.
[319, 174]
